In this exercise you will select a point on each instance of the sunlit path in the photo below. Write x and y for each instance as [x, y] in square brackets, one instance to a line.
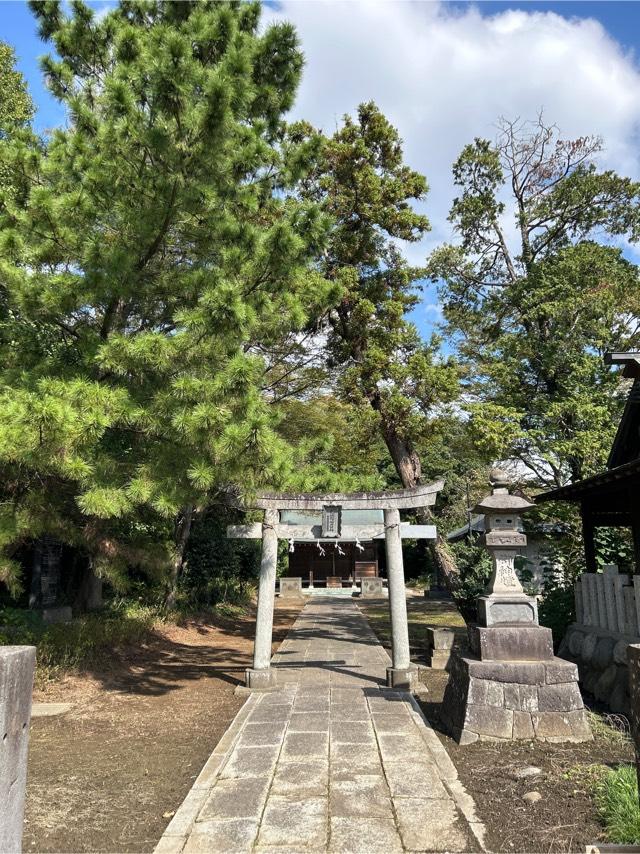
[333, 761]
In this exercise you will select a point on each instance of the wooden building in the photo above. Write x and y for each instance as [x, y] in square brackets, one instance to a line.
[325, 561]
[612, 498]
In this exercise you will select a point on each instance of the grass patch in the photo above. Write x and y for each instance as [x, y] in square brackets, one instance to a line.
[421, 615]
[80, 643]
[617, 800]
[609, 727]
[67, 646]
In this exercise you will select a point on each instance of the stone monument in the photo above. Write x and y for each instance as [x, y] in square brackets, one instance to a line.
[511, 685]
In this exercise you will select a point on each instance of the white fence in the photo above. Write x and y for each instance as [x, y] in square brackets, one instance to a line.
[609, 600]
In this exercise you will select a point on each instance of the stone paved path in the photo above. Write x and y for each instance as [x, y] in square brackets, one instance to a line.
[332, 762]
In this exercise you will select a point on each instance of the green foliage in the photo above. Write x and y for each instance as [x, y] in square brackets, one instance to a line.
[154, 249]
[617, 799]
[474, 570]
[533, 317]
[16, 106]
[614, 545]
[217, 570]
[378, 361]
[557, 609]
[83, 641]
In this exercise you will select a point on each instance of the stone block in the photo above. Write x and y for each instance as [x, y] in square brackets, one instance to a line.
[371, 588]
[497, 610]
[17, 664]
[233, 836]
[403, 679]
[600, 600]
[61, 614]
[603, 654]
[560, 670]
[575, 642]
[365, 836]
[511, 696]
[438, 638]
[438, 659]
[242, 798]
[522, 672]
[489, 721]
[589, 647]
[260, 679]
[430, 825]
[620, 652]
[563, 697]
[289, 822]
[523, 725]
[290, 588]
[561, 726]
[513, 643]
[495, 694]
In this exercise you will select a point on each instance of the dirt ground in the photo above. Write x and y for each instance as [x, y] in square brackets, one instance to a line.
[108, 774]
[565, 818]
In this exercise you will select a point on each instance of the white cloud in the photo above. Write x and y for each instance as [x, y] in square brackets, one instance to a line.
[443, 76]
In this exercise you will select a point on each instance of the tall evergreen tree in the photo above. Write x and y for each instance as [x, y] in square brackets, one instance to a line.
[155, 243]
[533, 297]
[376, 354]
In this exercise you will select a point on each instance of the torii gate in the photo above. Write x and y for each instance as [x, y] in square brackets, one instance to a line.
[402, 674]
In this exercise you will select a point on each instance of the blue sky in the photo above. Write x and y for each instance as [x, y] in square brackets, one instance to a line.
[443, 73]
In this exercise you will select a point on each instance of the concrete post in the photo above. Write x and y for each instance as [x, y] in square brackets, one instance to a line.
[261, 675]
[402, 674]
[17, 664]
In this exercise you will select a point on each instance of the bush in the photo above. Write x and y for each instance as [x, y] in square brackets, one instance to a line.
[77, 644]
[557, 610]
[217, 569]
[617, 800]
[474, 565]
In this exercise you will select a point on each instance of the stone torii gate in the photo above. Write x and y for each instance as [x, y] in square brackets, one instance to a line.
[402, 674]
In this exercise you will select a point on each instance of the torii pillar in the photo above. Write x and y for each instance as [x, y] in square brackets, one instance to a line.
[261, 676]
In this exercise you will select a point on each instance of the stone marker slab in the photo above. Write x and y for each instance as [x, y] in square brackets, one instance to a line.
[17, 664]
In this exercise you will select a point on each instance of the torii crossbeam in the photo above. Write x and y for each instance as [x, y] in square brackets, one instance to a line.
[402, 674]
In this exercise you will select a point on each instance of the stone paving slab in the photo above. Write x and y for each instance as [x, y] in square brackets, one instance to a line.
[331, 762]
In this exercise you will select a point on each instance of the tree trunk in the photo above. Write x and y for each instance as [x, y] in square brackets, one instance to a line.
[183, 529]
[407, 463]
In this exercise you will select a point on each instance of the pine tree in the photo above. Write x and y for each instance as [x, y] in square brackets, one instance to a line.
[156, 242]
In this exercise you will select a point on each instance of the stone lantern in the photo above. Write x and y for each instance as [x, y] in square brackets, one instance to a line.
[509, 685]
[505, 602]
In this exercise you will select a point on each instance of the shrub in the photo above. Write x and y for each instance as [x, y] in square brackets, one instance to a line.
[77, 644]
[617, 800]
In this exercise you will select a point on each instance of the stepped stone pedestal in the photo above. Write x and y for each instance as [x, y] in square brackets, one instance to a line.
[510, 685]
[440, 648]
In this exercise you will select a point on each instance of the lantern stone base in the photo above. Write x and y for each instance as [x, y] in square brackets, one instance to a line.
[499, 609]
[510, 700]
[403, 678]
[511, 643]
[260, 680]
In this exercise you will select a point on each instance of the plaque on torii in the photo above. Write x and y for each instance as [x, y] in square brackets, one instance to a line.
[402, 674]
